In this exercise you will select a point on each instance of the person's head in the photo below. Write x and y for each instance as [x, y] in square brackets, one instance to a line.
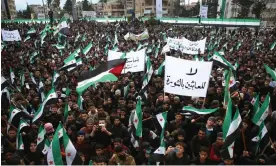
[33, 146]
[228, 161]
[89, 123]
[203, 153]
[160, 97]
[80, 137]
[219, 140]
[83, 116]
[100, 160]
[12, 133]
[8, 152]
[201, 133]
[178, 117]
[166, 105]
[117, 141]
[102, 122]
[211, 121]
[99, 149]
[100, 109]
[244, 90]
[219, 121]
[263, 98]
[219, 90]
[120, 152]
[116, 121]
[180, 147]
[54, 108]
[91, 108]
[181, 135]
[70, 117]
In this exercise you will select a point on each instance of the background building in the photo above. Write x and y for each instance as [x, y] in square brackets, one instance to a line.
[114, 8]
[268, 16]
[8, 10]
[38, 9]
[98, 7]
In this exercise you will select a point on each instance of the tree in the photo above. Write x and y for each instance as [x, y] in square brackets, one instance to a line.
[86, 6]
[68, 6]
[212, 8]
[195, 10]
[177, 8]
[258, 8]
[245, 7]
[20, 14]
[103, 2]
[56, 3]
[49, 2]
[28, 12]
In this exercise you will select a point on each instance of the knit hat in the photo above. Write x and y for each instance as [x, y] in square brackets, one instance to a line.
[81, 133]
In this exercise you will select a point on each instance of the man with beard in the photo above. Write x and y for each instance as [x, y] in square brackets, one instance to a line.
[198, 141]
[120, 157]
[119, 130]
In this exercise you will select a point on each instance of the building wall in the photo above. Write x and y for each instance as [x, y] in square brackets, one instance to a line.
[143, 7]
[268, 16]
[114, 8]
[11, 9]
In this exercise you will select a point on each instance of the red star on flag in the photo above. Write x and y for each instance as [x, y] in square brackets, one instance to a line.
[135, 120]
[51, 95]
[161, 120]
[51, 162]
[232, 147]
[38, 138]
[158, 149]
[13, 112]
[59, 133]
[69, 154]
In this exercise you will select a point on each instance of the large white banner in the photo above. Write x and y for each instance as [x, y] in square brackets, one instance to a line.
[135, 60]
[91, 14]
[10, 35]
[142, 36]
[186, 46]
[40, 16]
[186, 78]
[204, 12]
[159, 9]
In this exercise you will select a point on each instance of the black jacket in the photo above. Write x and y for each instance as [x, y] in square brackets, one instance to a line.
[172, 159]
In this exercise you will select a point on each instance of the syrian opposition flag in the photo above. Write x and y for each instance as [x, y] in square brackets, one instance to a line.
[271, 72]
[59, 46]
[273, 45]
[148, 75]
[230, 130]
[221, 61]
[27, 38]
[67, 109]
[19, 141]
[14, 116]
[55, 77]
[137, 119]
[262, 113]
[262, 133]
[162, 119]
[4, 83]
[87, 48]
[12, 75]
[40, 141]
[256, 103]
[72, 158]
[108, 71]
[126, 90]
[69, 62]
[62, 27]
[54, 156]
[80, 101]
[198, 111]
[50, 99]
[41, 90]
[31, 31]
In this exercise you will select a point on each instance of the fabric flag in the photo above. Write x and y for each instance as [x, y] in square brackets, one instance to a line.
[147, 76]
[41, 90]
[59, 47]
[32, 78]
[14, 116]
[90, 162]
[22, 79]
[50, 99]
[115, 40]
[162, 119]
[42, 37]
[62, 27]
[160, 69]
[27, 38]
[12, 75]
[33, 56]
[271, 72]
[31, 31]
[40, 138]
[126, 90]
[87, 48]
[108, 71]
[83, 39]
[80, 101]
[69, 62]
[261, 115]
[137, 119]
[262, 133]
[47, 144]
[72, 157]
[198, 111]
[55, 77]
[273, 45]
[256, 103]
[221, 61]
[67, 109]
[54, 156]
[77, 37]
[230, 130]
[19, 142]
[4, 83]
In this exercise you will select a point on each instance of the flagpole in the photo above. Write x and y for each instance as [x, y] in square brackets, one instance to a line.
[243, 139]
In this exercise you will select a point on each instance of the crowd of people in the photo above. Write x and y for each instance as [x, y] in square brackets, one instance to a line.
[98, 126]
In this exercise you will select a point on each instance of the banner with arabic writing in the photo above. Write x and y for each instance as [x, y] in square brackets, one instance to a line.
[186, 46]
[10, 35]
[186, 78]
[142, 36]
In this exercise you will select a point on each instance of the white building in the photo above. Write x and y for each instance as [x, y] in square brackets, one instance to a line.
[268, 16]
[39, 9]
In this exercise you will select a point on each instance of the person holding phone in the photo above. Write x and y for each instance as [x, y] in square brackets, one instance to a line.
[176, 155]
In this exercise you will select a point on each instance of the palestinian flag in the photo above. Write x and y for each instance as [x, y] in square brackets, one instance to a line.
[87, 48]
[62, 27]
[66, 111]
[69, 62]
[19, 142]
[54, 156]
[50, 99]
[230, 130]
[198, 111]
[12, 75]
[221, 61]
[108, 71]
[261, 115]
[55, 77]
[4, 83]
[31, 31]
[72, 158]
[271, 72]
[137, 119]
[273, 45]
[162, 119]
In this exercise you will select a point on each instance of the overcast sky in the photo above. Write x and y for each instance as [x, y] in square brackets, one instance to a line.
[22, 4]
